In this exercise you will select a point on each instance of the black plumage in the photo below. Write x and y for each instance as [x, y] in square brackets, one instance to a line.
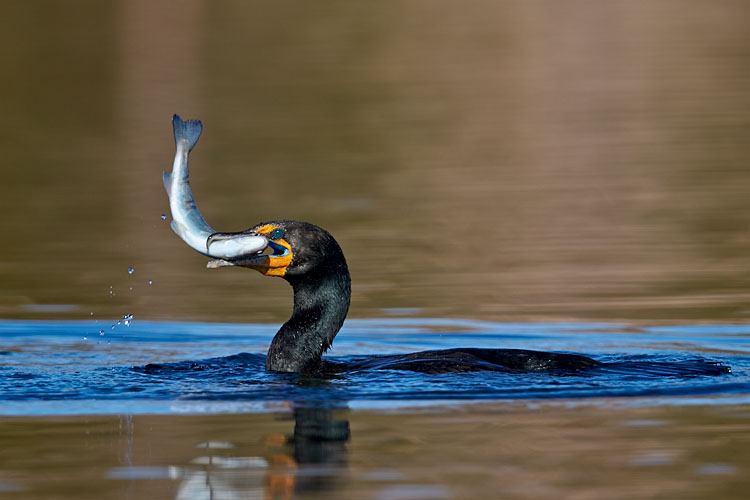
[322, 291]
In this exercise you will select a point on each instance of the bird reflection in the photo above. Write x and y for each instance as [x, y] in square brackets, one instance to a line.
[312, 460]
[318, 448]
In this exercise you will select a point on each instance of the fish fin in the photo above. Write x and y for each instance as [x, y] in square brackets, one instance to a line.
[167, 177]
[178, 228]
[187, 131]
[217, 263]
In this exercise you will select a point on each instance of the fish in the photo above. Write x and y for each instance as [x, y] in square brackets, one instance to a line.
[187, 221]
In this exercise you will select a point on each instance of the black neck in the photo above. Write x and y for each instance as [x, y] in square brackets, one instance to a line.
[321, 301]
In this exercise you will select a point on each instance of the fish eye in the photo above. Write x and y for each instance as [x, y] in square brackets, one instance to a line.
[277, 233]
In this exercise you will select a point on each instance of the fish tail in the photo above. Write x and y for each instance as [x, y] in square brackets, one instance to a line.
[187, 131]
[167, 178]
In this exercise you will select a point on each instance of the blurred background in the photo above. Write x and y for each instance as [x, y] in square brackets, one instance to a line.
[516, 160]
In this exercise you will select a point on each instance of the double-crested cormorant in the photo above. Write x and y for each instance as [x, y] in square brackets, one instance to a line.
[311, 260]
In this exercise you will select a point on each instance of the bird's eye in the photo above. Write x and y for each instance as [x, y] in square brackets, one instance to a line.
[277, 233]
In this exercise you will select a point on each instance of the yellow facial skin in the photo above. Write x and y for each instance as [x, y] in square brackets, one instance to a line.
[273, 265]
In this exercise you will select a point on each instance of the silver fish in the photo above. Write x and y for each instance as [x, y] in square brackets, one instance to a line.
[187, 220]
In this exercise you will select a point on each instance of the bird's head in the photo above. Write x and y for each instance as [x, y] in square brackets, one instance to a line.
[286, 248]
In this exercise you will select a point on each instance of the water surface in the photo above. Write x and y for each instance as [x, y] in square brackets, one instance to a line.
[569, 176]
[206, 420]
[160, 367]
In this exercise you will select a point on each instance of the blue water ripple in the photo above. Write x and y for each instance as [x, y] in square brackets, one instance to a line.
[59, 367]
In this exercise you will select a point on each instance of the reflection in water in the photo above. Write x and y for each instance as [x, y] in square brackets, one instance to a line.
[319, 444]
[531, 451]
[311, 460]
[515, 161]
[214, 477]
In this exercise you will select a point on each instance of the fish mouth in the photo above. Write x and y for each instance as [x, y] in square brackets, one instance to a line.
[249, 249]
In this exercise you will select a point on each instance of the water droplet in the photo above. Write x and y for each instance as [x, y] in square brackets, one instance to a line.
[131, 270]
[85, 338]
[113, 327]
[131, 288]
[91, 313]
[150, 282]
[101, 332]
[163, 216]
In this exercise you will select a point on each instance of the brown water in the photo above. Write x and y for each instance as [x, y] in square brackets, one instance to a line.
[508, 160]
[481, 451]
[505, 161]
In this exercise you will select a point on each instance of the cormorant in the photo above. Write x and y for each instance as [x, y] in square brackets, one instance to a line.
[311, 260]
